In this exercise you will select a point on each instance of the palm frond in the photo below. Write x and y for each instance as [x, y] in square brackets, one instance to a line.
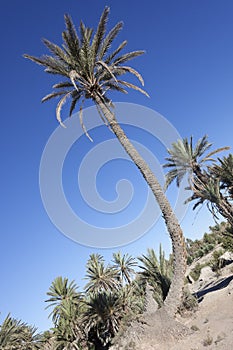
[107, 68]
[128, 56]
[59, 107]
[106, 44]
[132, 86]
[99, 35]
[56, 50]
[52, 95]
[209, 155]
[115, 53]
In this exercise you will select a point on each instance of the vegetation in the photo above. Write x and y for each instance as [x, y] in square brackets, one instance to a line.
[210, 184]
[114, 295]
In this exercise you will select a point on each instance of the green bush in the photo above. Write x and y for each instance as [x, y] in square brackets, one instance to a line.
[227, 243]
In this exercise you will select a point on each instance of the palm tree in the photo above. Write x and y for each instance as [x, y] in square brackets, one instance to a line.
[205, 182]
[102, 318]
[61, 291]
[124, 265]
[186, 159]
[17, 335]
[210, 192]
[224, 172]
[157, 273]
[92, 71]
[100, 278]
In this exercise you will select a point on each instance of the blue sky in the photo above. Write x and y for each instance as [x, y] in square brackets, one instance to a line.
[188, 72]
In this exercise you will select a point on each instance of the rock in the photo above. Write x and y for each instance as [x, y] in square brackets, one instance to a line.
[206, 274]
[225, 259]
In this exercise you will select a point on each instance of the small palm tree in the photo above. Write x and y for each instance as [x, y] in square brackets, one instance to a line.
[102, 318]
[61, 291]
[124, 265]
[157, 273]
[91, 72]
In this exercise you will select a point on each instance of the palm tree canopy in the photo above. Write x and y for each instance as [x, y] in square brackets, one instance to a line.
[86, 61]
[184, 158]
[224, 172]
[17, 335]
[124, 265]
[59, 292]
[100, 277]
[157, 273]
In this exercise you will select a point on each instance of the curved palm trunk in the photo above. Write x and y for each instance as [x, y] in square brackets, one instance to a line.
[178, 244]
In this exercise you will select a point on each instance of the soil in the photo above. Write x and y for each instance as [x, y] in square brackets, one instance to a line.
[210, 327]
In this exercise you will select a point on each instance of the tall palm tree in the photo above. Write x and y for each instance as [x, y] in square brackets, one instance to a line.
[124, 265]
[91, 71]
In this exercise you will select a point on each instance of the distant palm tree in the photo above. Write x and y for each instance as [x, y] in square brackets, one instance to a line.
[100, 278]
[17, 335]
[124, 265]
[92, 71]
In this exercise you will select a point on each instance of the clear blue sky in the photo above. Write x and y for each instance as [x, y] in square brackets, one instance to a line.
[188, 72]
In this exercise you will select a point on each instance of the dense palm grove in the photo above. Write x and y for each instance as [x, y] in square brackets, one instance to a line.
[116, 293]
[114, 296]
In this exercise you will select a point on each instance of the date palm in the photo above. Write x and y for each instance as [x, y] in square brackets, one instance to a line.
[187, 159]
[102, 317]
[124, 265]
[100, 277]
[210, 192]
[205, 182]
[91, 72]
[224, 172]
[60, 292]
[157, 273]
[17, 335]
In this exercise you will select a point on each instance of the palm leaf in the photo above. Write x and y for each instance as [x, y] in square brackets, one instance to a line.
[114, 53]
[132, 86]
[106, 44]
[52, 95]
[59, 107]
[98, 37]
[128, 56]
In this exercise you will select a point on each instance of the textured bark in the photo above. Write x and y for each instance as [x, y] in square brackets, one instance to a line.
[178, 244]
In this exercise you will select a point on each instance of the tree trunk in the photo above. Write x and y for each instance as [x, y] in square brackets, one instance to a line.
[178, 244]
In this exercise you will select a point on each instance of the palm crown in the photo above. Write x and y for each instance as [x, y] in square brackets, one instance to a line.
[185, 158]
[86, 62]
